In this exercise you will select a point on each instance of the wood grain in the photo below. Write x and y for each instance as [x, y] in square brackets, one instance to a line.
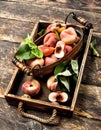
[88, 5]
[31, 12]
[86, 102]
[14, 30]
[17, 19]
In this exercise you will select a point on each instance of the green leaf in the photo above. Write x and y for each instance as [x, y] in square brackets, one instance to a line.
[92, 48]
[27, 40]
[41, 32]
[57, 34]
[32, 46]
[74, 78]
[59, 68]
[75, 67]
[65, 73]
[24, 52]
[64, 81]
[28, 50]
[37, 53]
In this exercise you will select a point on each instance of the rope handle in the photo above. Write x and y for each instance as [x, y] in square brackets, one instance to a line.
[27, 115]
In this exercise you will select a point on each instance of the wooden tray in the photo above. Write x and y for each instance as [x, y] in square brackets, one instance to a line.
[14, 94]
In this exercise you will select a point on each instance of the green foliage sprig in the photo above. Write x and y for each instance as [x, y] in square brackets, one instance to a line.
[94, 52]
[64, 72]
[28, 50]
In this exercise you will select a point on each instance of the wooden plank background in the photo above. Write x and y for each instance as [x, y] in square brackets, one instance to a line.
[17, 19]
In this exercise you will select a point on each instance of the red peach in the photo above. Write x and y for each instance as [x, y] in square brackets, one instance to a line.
[50, 40]
[47, 51]
[51, 27]
[51, 83]
[69, 36]
[68, 48]
[50, 60]
[31, 87]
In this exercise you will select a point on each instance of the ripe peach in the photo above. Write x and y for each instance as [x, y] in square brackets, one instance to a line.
[51, 83]
[50, 60]
[58, 96]
[68, 48]
[51, 27]
[34, 62]
[60, 49]
[60, 28]
[31, 87]
[69, 36]
[47, 51]
[50, 40]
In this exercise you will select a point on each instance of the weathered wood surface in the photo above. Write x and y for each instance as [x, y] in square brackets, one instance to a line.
[17, 19]
[31, 11]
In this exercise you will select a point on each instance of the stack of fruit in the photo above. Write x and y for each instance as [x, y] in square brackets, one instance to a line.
[58, 41]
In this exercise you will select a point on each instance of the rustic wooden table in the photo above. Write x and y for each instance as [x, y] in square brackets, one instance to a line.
[17, 19]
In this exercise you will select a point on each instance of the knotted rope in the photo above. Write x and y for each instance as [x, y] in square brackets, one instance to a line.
[45, 121]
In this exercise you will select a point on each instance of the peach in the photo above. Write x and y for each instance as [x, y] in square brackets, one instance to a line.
[58, 96]
[68, 48]
[31, 87]
[56, 26]
[60, 27]
[34, 62]
[47, 51]
[51, 27]
[51, 83]
[50, 40]
[60, 49]
[69, 36]
[50, 60]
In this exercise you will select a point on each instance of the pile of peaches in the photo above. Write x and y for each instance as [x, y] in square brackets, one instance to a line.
[58, 41]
